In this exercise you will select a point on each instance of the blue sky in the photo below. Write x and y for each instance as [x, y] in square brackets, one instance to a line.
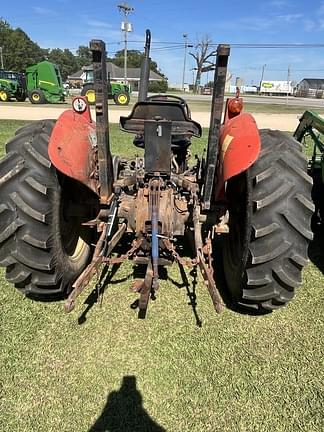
[68, 24]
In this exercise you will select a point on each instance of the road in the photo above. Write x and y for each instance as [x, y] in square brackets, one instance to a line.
[268, 100]
[285, 122]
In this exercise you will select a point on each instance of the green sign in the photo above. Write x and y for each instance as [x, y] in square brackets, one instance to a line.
[267, 85]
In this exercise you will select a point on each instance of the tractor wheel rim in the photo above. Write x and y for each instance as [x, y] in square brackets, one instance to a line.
[79, 250]
[3, 96]
[91, 96]
[73, 244]
[122, 99]
[36, 97]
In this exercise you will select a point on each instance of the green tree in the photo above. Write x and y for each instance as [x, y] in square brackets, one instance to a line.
[84, 56]
[134, 60]
[66, 61]
[19, 51]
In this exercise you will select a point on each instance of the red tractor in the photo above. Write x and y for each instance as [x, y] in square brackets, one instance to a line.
[67, 202]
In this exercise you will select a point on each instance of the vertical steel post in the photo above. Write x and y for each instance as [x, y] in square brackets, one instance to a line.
[184, 60]
[223, 52]
[98, 49]
[145, 69]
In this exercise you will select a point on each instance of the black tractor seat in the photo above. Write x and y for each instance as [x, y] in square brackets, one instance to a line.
[182, 127]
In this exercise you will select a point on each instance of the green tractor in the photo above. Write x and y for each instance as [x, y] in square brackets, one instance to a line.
[12, 85]
[311, 131]
[44, 83]
[120, 93]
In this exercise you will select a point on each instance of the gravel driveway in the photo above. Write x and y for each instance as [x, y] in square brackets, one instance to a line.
[285, 122]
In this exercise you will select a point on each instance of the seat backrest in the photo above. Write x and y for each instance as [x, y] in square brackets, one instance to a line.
[160, 110]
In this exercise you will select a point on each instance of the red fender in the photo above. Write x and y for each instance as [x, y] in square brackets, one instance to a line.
[73, 145]
[239, 148]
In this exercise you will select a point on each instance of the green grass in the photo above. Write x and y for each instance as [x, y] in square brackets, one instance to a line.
[234, 373]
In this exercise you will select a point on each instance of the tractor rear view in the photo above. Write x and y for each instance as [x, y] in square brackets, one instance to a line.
[67, 202]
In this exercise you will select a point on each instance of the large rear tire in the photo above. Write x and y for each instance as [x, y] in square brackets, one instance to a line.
[42, 246]
[270, 212]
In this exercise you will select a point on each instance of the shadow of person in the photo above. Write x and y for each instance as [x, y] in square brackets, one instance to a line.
[124, 412]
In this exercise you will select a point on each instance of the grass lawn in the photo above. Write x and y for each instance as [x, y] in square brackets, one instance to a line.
[102, 369]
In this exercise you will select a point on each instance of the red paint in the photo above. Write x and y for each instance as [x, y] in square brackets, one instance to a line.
[72, 148]
[238, 153]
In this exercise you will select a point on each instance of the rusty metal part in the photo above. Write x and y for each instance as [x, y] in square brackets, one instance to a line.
[185, 182]
[186, 262]
[141, 210]
[115, 239]
[206, 268]
[207, 273]
[118, 260]
[98, 259]
[145, 291]
[173, 213]
[144, 260]
[197, 227]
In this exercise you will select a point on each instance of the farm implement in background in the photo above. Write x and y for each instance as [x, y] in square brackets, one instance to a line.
[311, 130]
[41, 83]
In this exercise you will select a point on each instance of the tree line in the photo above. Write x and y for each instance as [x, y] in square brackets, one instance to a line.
[20, 51]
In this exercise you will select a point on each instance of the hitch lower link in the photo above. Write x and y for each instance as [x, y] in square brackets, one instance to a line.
[150, 284]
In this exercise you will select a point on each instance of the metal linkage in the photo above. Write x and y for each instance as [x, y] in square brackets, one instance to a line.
[206, 268]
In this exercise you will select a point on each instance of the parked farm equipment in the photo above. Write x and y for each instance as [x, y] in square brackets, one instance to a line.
[12, 85]
[120, 93]
[62, 191]
[44, 83]
[41, 82]
[311, 130]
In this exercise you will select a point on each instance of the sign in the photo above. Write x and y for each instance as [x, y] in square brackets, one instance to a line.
[267, 85]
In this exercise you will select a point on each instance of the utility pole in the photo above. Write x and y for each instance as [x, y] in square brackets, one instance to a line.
[126, 27]
[185, 35]
[1, 58]
[288, 84]
[262, 74]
